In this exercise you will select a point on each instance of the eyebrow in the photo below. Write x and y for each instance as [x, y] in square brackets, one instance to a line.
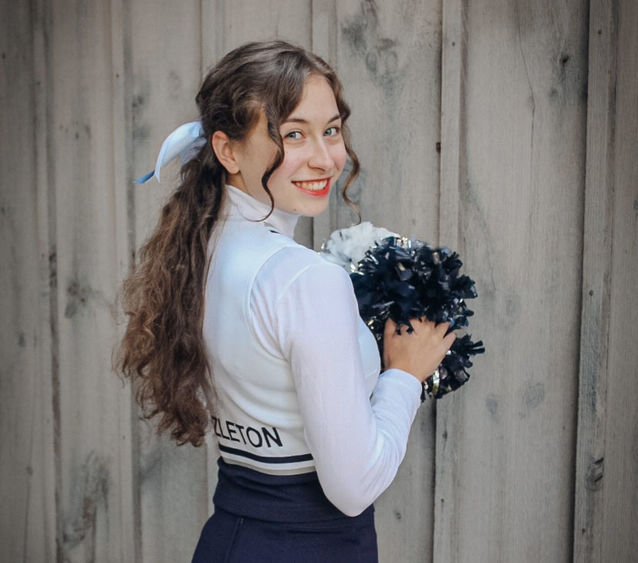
[301, 120]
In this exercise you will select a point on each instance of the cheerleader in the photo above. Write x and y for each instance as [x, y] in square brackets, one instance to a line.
[235, 329]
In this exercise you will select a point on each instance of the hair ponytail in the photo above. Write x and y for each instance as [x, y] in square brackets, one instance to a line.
[162, 349]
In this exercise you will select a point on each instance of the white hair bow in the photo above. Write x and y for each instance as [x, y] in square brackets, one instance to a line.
[185, 142]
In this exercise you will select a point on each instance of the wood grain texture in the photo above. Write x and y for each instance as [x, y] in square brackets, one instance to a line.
[324, 44]
[449, 425]
[388, 57]
[128, 517]
[597, 258]
[620, 541]
[27, 487]
[90, 484]
[504, 444]
[606, 516]
[46, 518]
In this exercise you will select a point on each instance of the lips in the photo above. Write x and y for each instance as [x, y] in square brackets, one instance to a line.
[317, 188]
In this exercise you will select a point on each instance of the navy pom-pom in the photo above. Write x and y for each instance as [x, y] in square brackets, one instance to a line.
[403, 279]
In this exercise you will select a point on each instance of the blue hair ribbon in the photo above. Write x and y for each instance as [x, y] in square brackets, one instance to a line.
[185, 142]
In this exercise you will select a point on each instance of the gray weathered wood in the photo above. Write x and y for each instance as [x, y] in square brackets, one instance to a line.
[620, 542]
[42, 541]
[91, 487]
[388, 57]
[597, 263]
[324, 44]
[122, 216]
[505, 443]
[27, 488]
[606, 516]
[448, 422]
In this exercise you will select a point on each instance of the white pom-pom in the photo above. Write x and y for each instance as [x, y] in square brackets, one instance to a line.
[347, 247]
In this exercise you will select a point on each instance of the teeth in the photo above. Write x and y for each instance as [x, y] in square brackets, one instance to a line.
[315, 186]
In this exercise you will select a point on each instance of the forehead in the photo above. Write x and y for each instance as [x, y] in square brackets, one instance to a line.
[317, 101]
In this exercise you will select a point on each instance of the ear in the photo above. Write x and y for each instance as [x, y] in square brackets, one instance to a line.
[224, 150]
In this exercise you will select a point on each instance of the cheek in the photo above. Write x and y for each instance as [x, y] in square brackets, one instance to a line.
[339, 156]
[293, 161]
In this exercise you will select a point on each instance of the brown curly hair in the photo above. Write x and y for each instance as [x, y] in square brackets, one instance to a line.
[162, 350]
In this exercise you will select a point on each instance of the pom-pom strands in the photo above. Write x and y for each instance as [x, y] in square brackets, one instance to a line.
[403, 279]
[346, 247]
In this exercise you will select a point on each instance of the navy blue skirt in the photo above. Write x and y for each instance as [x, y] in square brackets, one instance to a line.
[262, 518]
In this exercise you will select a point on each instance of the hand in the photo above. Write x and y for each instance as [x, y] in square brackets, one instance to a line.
[418, 352]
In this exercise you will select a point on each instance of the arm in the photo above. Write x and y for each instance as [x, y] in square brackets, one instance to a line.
[357, 444]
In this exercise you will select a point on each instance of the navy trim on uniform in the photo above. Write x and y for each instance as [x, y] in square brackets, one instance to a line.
[264, 459]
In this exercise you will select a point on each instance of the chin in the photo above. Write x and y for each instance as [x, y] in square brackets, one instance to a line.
[313, 210]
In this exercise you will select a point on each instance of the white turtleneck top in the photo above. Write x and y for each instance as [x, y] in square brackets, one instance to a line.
[296, 371]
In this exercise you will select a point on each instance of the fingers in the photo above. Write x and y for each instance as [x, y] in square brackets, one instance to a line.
[419, 351]
[440, 329]
[449, 340]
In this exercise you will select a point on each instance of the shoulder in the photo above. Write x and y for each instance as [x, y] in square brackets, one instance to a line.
[300, 273]
[244, 246]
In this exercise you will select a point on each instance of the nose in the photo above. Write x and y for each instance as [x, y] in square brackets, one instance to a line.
[320, 157]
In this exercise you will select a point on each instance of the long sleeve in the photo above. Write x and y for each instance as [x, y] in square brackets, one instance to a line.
[304, 309]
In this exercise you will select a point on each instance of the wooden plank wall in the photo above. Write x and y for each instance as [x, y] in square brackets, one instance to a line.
[513, 208]
[505, 129]
[28, 518]
[606, 480]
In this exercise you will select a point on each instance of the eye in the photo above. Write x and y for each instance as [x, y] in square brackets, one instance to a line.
[332, 131]
[294, 135]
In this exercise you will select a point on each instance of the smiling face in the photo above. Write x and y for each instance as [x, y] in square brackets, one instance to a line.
[314, 154]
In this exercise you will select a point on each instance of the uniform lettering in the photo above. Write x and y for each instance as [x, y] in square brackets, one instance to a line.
[230, 426]
[241, 432]
[247, 435]
[274, 437]
[252, 432]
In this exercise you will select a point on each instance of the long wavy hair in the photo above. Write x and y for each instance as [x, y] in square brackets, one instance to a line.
[162, 350]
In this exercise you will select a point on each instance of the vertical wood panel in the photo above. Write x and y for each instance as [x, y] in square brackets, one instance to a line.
[46, 519]
[505, 442]
[242, 21]
[588, 518]
[448, 420]
[128, 516]
[27, 514]
[388, 57]
[165, 75]
[606, 517]
[620, 542]
[324, 43]
[91, 485]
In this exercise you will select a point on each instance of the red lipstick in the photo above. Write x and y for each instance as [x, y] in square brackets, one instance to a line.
[314, 192]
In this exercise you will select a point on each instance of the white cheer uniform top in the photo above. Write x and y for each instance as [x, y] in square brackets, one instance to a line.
[295, 370]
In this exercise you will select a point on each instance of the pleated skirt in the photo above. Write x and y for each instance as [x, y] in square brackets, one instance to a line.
[262, 518]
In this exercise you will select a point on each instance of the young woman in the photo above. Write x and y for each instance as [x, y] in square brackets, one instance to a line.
[236, 329]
